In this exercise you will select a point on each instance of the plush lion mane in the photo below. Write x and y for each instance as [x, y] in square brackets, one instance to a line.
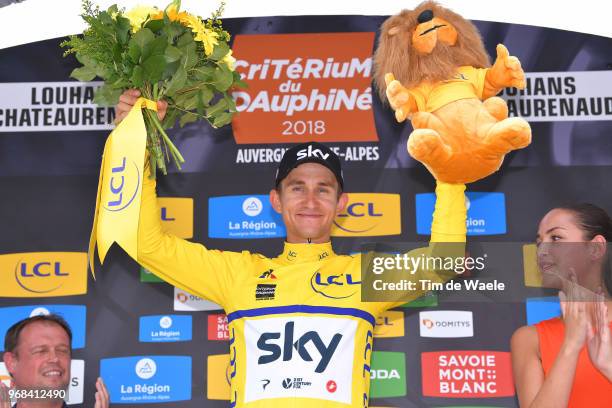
[396, 55]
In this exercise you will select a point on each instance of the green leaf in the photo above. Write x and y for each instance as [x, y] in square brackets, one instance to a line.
[238, 82]
[222, 119]
[218, 107]
[143, 37]
[173, 30]
[187, 100]
[185, 39]
[177, 82]
[206, 94]
[106, 95]
[222, 78]
[220, 51]
[155, 47]
[155, 25]
[137, 77]
[153, 68]
[172, 53]
[134, 51]
[203, 74]
[189, 117]
[83, 74]
[190, 56]
[122, 28]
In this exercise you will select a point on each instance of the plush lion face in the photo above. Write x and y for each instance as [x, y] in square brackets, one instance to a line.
[426, 44]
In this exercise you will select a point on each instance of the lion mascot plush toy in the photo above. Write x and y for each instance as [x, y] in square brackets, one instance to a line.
[446, 86]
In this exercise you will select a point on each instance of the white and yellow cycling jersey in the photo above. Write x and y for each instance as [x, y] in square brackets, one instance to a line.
[300, 336]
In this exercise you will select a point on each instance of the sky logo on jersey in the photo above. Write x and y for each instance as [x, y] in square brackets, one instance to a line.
[288, 351]
[186, 302]
[218, 327]
[486, 213]
[43, 274]
[390, 324]
[147, 379]
[542, 308]
[165, 328]
[467, 374]
[177, 216]
[446, 323]
[75, 316]
[243, 217]
[369, 214]
[388, 374]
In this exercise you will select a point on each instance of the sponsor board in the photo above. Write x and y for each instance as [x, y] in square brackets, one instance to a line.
[176, 214]
[165, 328]
[562, 96]
[388, 374]
[369, 214]
[186, 302]
[304, 87]
[74, 315]
[147, 276]
[147, 379]
[429, 299]
[52, 106]
[218, 384]
[467, 374]
[446, 323]
[217, 327]
[486, 213]
[542, 308]
[43, 274]
[390, 324]
[243, 217]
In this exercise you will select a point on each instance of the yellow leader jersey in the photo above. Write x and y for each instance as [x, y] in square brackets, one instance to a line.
[300, 336]
[467, 83]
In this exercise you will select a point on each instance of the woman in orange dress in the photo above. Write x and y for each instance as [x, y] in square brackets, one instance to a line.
[567, 362]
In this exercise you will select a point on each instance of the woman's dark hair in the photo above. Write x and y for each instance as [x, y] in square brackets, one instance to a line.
[594, 220]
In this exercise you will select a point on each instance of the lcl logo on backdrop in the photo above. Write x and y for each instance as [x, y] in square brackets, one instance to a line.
[177, 216]
[369, 214]
[390, 324]
[43, 274]
[304, 87]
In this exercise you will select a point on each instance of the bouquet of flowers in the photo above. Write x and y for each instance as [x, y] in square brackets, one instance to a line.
[169, 54]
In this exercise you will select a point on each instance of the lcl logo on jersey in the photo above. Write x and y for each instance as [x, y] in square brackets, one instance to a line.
[43, 274]
[335, 286]
[369, 215]
[123, 185]
[266, 343]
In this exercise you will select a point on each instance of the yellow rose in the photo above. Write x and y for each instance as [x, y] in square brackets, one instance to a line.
[138, 15]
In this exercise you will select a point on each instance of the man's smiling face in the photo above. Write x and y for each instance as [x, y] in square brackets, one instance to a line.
[309, 199]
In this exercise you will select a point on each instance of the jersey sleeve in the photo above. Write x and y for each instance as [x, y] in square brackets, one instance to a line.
[477, 77]
[190, 266]
[447, 242]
